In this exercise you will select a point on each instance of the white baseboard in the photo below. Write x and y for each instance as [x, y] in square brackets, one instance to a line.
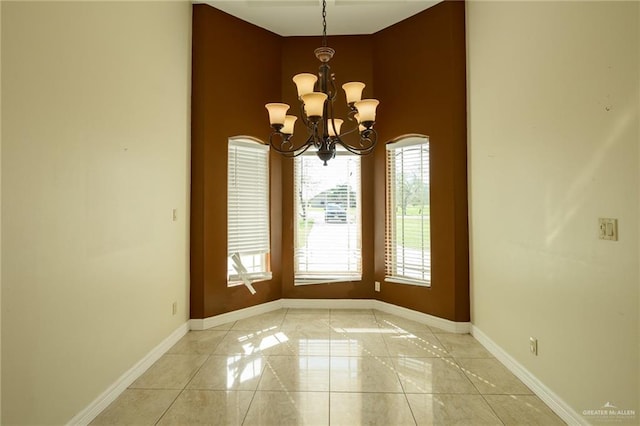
[444, 324]
[122, 383]
[561, 408]
[205, 323]
[441, 323]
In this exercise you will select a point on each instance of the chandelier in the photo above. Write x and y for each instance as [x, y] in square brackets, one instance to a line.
[317, 112]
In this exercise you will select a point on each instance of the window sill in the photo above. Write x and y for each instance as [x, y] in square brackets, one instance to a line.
[408, 281]
[253, 280]
[326, 280]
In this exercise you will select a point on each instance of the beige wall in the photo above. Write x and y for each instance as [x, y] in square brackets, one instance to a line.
[553, 146]
[95, 148]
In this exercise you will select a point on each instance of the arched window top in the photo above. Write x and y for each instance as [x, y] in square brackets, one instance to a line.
[246, 141]
[407, 140]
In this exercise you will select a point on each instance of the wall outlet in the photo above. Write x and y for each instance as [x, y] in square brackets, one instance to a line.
[174, 308]
[377, 288]
[533, 345]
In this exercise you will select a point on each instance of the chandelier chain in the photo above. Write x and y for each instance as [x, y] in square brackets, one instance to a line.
[324, 23]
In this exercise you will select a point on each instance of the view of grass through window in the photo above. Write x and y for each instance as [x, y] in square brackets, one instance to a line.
[408, 235]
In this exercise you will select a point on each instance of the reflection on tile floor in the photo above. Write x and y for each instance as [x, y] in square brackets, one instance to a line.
[321, 367]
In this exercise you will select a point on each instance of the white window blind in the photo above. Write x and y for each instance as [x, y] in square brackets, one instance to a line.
[327, 219]
[408, 230]
[247, 212]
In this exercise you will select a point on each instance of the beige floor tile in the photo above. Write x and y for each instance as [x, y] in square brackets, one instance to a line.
[226, 326]
[137, 407]
[288, 408]
[261, 322]
[358, 344]
[307, 314]
[351, 312]
[308, 324]
[251, 342]
[396, 323]
[491, 378]
[383, 409]
[468, 410]
[436, 330]
[294, 373]
[354, 323]
[353, 318]
[522, 410]
[198, 407]
[432, 375]
[302, 343]
[363, 374]
[198, 342]
[463, 346]
[414, 344]
[171, 371]
[229, 372]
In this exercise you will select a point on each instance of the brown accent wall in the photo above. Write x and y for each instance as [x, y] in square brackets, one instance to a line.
[419, 73]
[236, 70]
[418, 67]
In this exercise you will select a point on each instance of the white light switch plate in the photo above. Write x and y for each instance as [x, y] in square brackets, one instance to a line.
[608, 229]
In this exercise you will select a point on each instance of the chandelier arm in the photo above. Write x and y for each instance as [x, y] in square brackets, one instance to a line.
[355, 151]
[293, 152]
[298, 153]
[372, 138]
[352, 150]
[348, 132]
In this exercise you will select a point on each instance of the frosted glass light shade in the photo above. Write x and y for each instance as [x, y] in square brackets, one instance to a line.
[304, 82]
[289, 122]
[277, 113]
[353, 90]
[367, 109]
[361, 128]
[314, 103]
[338, 124]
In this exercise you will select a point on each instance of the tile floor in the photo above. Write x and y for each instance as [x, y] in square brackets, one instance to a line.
[321, 367]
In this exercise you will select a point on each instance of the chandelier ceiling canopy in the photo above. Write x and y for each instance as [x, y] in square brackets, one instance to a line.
[317, 94]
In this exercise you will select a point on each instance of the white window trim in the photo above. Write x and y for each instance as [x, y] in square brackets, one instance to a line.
[408, 141]
[303, 279]
[242, 277]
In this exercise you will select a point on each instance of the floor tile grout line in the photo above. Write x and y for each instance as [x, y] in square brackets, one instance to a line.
[481, 395]
[253, 397]
[190, 379]
[164, 413]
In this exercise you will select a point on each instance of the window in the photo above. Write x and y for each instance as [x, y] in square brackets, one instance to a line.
[327, 215]
[408, 233]
[247, 212]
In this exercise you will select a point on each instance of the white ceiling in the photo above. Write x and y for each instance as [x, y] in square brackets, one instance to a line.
[304, 17]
